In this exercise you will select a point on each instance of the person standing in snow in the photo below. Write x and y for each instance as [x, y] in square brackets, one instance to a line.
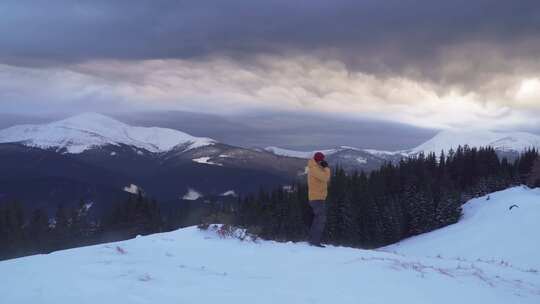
[318, 177]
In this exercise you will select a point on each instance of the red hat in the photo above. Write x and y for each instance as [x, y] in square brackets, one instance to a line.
[318, 157]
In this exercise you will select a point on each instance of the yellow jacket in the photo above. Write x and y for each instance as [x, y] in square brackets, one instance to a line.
[318, 178]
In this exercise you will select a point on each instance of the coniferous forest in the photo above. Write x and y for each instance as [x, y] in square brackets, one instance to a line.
[366, 210]
[417, 195]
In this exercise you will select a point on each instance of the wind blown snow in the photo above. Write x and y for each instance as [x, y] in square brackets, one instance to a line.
[481, 259]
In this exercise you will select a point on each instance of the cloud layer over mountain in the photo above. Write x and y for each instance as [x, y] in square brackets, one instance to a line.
[427, 63]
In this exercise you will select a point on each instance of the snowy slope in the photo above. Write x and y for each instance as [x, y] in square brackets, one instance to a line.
[502, 141]
[488, 231]
[192, 266]
[82, 132]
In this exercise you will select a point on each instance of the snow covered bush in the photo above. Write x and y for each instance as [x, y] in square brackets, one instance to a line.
[226, 231]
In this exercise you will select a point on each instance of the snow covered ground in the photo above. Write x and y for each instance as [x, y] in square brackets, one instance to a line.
[489, 230]
[483, 260]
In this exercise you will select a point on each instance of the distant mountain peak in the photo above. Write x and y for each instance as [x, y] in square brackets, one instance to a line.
[499, 140]
[328, 152]
[85, 131]
[508, 142]
[298, 154]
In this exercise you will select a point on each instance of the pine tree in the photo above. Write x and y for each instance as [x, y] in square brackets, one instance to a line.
[525, 164]
[339, 225]
[38, 229]
[14, 224]
[416, 195]
[61, 220]
[3, 234]
[534, 175]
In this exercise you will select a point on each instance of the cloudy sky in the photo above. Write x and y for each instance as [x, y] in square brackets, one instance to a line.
[429, 64]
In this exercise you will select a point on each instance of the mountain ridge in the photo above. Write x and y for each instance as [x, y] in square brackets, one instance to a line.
[85, 131]
[88, 150]
[443, 141]
[500, 140]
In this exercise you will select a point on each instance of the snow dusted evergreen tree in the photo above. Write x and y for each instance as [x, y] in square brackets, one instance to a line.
[13, 227]
[38, 229]
[525, 164]
[534, 175]
[448, 210]
[61, 220]
[137, 215]
[392, 221]
[296, 229]
[340, 223]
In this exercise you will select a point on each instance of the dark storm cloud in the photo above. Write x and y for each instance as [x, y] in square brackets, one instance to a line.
[379, 36]
[434, 63]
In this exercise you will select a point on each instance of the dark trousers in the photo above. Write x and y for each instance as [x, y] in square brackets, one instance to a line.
[319, 220]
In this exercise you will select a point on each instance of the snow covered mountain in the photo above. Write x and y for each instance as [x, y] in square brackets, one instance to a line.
[488, 257]
[506, 143]
[91, 130]
[94, 157]
[500, 141]
[90, 136]
[327, 152]
[298, 154]
[349, 158]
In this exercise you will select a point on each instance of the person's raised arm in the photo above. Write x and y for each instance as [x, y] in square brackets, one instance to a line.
[322, 174]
